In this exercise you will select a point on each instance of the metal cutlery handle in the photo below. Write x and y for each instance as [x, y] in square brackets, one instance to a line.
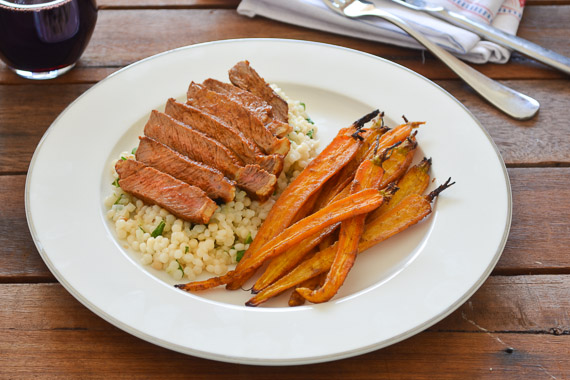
[513, 103]
[546, 56]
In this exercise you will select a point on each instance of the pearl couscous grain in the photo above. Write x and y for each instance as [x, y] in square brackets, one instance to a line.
[185, 250]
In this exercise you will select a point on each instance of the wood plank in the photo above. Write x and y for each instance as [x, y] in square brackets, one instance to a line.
[81, 345]
[537, 304]
[540, 141]
[19, 258]
[106, 354]
[121, 4]
[535, 244]
[539, 237]
[19, 135]
[504, 304]
[110, 4]
[125, 36]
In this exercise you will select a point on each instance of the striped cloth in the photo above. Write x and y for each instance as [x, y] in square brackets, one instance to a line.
[502, 14]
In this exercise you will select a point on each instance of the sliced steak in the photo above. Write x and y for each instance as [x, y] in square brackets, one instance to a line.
[259, 107]
[237, 117]
[246, 150]
[246, 78]
[152, 186]
[152, 153]
[199, 147]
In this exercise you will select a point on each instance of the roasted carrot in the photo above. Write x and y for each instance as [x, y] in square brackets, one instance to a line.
[370, 147]
[295, 299]
[368, 176]
[284, 262]
[289, 259]
[415, 181]
[332, 159]
[395, 161]
[359, 203]
[408, 212]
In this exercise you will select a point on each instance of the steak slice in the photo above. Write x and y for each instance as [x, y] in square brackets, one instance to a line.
[152, 186]
[199, 147]
[246, 78]
[154, 154]
[247, 151]
[237, 117]
[253, 103]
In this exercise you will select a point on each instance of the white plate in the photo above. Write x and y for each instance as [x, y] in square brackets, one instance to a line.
[395, 290]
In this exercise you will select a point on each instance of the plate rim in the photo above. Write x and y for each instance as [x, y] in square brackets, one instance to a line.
[249, 360]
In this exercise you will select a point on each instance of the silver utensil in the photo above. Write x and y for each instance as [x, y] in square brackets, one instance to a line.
[511, 102]
[532, 50]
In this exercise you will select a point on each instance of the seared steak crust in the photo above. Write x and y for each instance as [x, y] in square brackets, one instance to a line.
[152, 153]
[246, 78]
[237, 117]
[199, 147]
[152, 186]
[246, 150]
[259, 107]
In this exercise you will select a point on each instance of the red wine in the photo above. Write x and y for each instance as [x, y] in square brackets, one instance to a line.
[45, 38]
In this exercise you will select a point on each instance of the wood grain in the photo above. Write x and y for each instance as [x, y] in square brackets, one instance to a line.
[516, 326]
[19, 258]
[540, 230]
[44, 330]
[535, 244]
[24, 119]
[119, 4]
[529, 304]
[540, 141]
[125, 36]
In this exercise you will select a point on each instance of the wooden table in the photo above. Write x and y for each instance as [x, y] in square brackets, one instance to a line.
[517, 326]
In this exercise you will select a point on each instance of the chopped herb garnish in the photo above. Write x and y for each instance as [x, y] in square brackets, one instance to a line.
[123, 158]
[249, 239]
[304, 106]
[118, 199]
[311, 133]
[186, 249]
[116, 182]
[180, 267]
[134, 151]
[239, 255]
[310, 121]
[142, 229]
[158, 230]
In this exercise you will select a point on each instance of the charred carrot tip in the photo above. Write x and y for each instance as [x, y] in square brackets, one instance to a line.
[365, 119]
[389, 191]
[424, 165]
[405, 119]
[356, 134]
[431, 196]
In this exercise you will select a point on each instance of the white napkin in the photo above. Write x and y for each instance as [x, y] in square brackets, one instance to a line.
[502, 14]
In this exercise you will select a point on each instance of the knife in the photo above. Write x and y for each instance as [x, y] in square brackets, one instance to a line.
[532, 50]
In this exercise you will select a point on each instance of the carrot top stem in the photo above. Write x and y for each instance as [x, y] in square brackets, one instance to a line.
[431, 196]
[358, 124]
[425, 165]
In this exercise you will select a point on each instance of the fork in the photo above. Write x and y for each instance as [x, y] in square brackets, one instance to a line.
[511, 102]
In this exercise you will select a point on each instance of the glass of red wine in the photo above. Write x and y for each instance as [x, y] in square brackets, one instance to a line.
[43, 39]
